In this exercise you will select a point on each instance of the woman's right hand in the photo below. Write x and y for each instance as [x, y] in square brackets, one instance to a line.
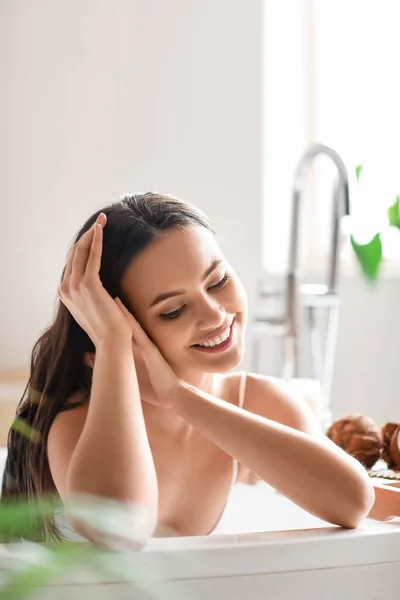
[83, 293]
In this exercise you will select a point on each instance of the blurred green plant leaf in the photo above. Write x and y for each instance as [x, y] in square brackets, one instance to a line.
[17, 519]
[36, 565]
[53, 564]
[394, 213]
[20, 426]
[359, 169]
[369, 256]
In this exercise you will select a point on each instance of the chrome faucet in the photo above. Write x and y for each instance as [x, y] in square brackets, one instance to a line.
[340, 207]
[310, 296]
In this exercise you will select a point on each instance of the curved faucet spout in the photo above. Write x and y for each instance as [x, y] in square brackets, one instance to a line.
[303, 164]
[341, 207]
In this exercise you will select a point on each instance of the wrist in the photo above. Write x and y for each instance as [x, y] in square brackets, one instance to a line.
[177, 396]
[114, 343]
[180, 396]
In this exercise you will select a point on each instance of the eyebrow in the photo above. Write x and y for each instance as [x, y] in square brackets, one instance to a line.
[167, 295]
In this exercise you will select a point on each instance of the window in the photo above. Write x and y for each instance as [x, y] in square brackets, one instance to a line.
[331, 76]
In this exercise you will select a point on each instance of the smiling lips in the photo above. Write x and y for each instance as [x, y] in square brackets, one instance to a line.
[216, 334]
[217, 343]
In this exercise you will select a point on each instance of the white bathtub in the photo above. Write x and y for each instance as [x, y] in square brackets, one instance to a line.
[309, 560]
[321, 564]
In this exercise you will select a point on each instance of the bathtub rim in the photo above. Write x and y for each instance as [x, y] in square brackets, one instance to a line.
[185, 558]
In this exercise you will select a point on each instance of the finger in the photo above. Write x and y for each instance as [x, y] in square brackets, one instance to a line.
[68, 267]
[70, 257]
[81, 255]
[141, 338]
[71, 254]
[122, 307]
[139, 335]
[85, 241]
[93, 262]
[126, 312]
[102, 219]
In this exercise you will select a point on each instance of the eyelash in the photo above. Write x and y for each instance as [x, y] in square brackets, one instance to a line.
[174, 314]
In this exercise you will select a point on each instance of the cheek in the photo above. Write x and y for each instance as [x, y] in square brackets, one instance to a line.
[239, 296]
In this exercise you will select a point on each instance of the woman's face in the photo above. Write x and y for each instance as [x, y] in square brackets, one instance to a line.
[183, 292]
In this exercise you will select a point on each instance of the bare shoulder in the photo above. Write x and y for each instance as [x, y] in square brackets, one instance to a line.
[273, 398]
[63, 436]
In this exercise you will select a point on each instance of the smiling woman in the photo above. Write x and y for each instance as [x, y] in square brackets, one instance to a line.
[183, 292]
[132, 394]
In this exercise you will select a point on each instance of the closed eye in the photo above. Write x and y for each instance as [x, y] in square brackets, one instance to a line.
[175, 313]
[221, 283]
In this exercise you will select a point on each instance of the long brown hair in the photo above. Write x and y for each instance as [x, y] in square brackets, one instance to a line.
[57, 368]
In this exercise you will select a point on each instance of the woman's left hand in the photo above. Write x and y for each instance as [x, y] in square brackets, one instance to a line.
[158, 383]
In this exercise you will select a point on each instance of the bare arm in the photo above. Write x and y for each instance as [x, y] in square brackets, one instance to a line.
[102, 450]
[311, 471]
[111, 457]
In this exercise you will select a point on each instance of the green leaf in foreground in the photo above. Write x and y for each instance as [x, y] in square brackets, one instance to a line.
[34, 567]
[359, 169]
[17, 519]
[369, 256]
[26, 430]
[21, 584]
[394, 213]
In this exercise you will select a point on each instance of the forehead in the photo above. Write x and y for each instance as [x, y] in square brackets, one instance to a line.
[170, 262]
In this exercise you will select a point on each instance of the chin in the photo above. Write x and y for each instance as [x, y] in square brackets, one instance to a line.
[217, 366]
[224, 367]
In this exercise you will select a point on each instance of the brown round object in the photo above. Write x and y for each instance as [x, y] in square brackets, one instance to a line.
[395, 449]
[387, 434]
[359, 436]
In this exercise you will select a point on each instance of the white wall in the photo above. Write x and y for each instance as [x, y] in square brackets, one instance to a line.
[368, 351]
[104, 98]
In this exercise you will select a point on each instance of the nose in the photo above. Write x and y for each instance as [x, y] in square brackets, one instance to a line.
[211, 315]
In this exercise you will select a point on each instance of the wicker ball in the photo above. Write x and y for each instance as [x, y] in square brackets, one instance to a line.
[395, 448]
[387, 432]
[359, 436]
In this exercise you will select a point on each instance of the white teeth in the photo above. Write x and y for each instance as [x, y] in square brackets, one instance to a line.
[217, 340]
